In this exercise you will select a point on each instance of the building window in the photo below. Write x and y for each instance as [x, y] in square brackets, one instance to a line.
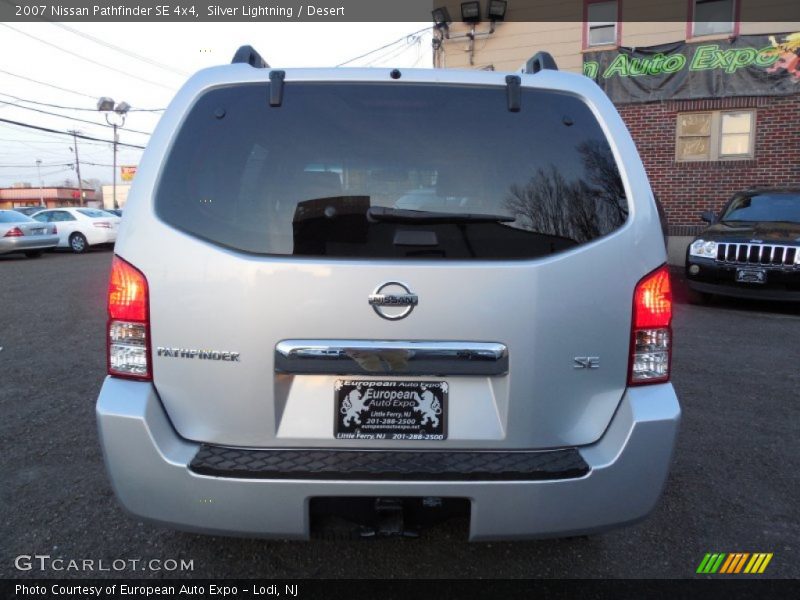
[712, 17]
[602, 23]
[718, 135]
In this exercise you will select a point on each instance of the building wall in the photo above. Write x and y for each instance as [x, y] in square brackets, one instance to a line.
[53, 197]
[122, 195]
[688, 188]
[555, 26]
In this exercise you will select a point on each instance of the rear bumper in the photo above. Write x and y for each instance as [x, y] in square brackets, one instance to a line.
[27, 243]
[101, 235]
[149, 467]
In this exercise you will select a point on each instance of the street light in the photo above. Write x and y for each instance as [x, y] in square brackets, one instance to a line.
[107, 107]
[41, 183]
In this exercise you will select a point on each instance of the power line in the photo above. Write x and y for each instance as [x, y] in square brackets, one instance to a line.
[46, 112]
[80, 135]
[121, 50]
[27, 166]
[50, 141]
[392, 55]
[94, 164]
[49, 85]
[405, 37]
[94, 62]
[62, 107]
[69, 91]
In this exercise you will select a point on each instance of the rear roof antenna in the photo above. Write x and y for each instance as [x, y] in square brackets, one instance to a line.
[248, 55]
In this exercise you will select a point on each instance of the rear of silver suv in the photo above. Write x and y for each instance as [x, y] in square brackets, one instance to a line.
[375, 287]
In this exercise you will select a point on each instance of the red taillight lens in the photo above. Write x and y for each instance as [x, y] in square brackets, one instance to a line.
[652, 303]
[651, 336]
[128, 322]
[14, 232]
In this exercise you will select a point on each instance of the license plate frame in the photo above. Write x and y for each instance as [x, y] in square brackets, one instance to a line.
[390, 410]
[751, 275]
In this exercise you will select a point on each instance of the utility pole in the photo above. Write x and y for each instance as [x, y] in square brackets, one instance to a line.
[41, 184]
[116, 141]
[78, 166]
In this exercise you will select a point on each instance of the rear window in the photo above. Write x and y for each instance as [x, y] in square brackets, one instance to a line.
[11, 216]
[308, 178]
[93, 213]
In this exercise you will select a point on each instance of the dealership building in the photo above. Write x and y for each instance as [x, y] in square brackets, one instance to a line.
[22, 195]
[710, 92]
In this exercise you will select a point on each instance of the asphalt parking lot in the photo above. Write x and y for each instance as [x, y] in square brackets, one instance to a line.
[733, 488]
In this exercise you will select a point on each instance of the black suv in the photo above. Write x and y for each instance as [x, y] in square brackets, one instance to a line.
[752, 250]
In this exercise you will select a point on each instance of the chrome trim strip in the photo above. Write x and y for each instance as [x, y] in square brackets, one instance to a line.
[366, 357]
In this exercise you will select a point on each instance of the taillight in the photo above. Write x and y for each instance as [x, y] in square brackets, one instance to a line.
[14, 232]
[55, 230]
[103, 224]
[651, 336]
[128, 322]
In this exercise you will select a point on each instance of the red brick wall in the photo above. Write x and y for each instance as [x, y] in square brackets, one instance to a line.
[688, 188]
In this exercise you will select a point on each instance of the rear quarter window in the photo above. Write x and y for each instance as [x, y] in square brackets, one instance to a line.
[300, 179]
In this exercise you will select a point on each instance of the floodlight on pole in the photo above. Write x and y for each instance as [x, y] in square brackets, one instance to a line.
[107, 106]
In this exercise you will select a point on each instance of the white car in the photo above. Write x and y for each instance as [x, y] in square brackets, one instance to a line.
[79, 228]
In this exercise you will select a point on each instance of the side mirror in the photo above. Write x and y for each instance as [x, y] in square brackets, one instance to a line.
[708, 216]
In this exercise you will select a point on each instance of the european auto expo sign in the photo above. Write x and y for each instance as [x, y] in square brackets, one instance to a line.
[748, 65]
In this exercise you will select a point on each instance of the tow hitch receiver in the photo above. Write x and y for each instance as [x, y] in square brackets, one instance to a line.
[389, 520]
[378, 517]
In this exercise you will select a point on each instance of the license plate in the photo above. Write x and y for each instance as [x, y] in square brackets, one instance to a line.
[37, 231]
[390, 410]
[751, 275]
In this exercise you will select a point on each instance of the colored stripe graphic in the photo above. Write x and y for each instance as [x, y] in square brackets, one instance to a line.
[729, 564]
[734, 562]
[765, 563]
[741, 563]
[758, 563]
[711, 563]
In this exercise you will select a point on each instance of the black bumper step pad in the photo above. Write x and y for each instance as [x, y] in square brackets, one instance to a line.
[386, 465]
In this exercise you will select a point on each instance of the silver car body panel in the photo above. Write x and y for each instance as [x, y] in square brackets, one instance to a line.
[36, 236]
[148, 464]
[544, 312]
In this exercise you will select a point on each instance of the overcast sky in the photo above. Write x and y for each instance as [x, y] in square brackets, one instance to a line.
[59, 58]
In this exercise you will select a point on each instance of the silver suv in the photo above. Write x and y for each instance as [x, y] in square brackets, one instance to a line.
[390, 294]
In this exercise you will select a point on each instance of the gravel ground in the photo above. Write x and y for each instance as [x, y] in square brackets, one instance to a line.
[734, 485]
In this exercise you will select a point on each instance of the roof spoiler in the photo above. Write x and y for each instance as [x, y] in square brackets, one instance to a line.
[248, 55]
[538, 62]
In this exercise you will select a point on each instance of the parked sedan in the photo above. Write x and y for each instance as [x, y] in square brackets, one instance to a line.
[19, 233]
[752, 250]
[79, 228]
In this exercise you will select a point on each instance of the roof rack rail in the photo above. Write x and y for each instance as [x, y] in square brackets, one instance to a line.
[248, 54]
[538, 62]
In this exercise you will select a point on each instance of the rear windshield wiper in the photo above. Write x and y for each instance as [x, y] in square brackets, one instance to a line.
[401, 215]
